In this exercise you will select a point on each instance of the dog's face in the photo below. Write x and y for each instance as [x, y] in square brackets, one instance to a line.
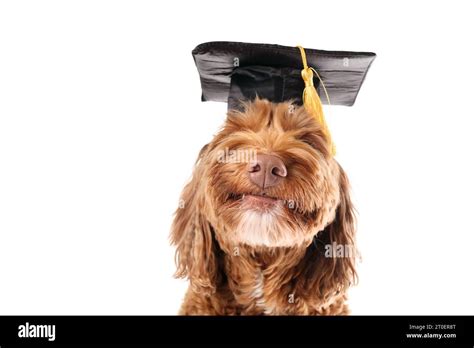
[269, 178]
[266, 181]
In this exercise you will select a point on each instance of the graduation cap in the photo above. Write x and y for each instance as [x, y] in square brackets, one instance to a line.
[233, 72]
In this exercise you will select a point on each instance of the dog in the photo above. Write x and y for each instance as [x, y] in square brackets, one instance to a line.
[252, 236]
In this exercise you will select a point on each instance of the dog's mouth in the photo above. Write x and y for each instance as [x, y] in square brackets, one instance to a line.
[259, 201]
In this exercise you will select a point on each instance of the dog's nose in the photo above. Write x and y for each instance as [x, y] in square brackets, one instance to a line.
[267, 171]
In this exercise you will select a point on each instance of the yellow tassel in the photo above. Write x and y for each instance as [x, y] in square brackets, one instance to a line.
[311, 100]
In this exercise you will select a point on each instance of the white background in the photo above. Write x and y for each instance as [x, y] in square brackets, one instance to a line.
[101, 121]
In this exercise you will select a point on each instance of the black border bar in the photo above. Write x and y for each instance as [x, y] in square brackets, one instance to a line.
[291, 331]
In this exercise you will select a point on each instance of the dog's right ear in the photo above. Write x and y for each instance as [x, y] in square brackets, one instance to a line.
[192, 234]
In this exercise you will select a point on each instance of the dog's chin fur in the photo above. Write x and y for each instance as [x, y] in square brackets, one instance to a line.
[231, 236]
[268, 229]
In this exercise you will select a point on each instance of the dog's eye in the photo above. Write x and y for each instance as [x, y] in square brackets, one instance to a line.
[310, 143]
[312, 139]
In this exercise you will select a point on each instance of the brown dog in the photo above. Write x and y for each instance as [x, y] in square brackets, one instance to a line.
[265, 204]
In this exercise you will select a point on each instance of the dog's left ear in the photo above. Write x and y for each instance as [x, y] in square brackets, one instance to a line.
[329, 263]
[341, 232]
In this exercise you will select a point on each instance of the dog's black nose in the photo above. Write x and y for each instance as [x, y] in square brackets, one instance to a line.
[267, 171]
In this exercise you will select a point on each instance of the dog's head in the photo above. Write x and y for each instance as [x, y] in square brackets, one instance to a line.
[267, 180]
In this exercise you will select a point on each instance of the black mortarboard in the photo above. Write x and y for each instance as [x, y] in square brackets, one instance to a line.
[230, 71]
[235, 71]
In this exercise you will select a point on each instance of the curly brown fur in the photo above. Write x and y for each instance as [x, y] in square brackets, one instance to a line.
[245, 259]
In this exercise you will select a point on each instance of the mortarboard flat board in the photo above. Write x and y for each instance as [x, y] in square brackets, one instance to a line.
[235, 71]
